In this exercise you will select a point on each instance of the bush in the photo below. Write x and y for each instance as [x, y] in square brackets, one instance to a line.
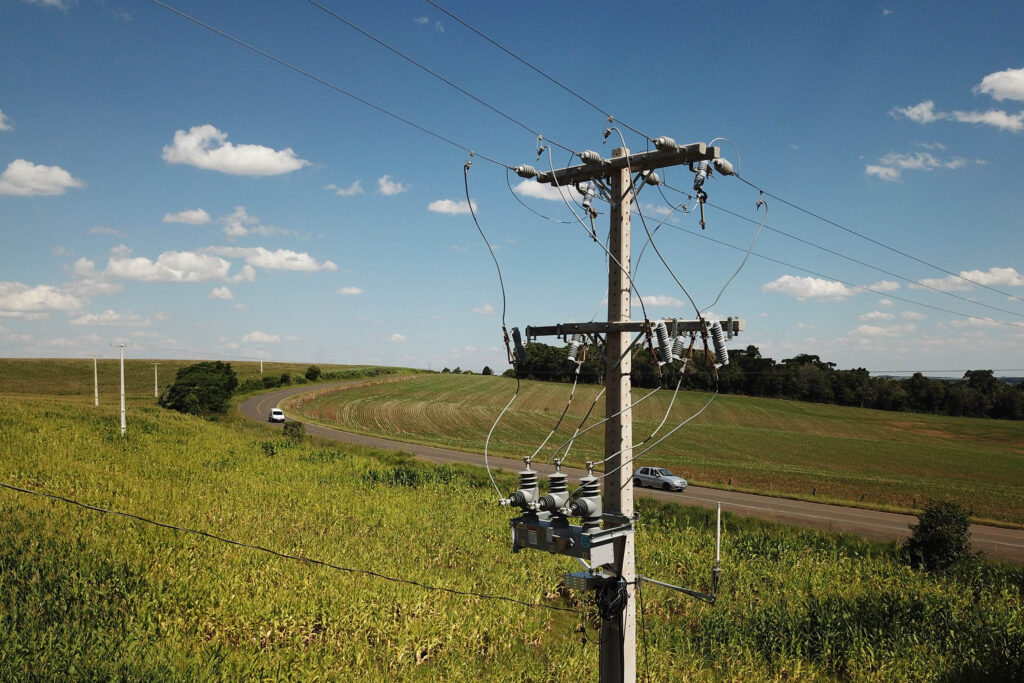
[941, 538]
[313, 373]
[294, 429]
[286, 379]
[201, 389]
[487, 370]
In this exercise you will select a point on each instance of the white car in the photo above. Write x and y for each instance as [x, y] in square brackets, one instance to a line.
[276, 415]
[658, 477]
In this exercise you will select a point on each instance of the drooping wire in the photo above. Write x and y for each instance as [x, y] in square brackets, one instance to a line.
[297, 558]
[534, 68]
[433, 73]
[328, 84]
[877, 242]
[504, 307]
[527, 206]
[561, 417]
[760, 203]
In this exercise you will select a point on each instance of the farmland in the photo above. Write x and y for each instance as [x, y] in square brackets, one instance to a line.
[87, 595]
[872, 458]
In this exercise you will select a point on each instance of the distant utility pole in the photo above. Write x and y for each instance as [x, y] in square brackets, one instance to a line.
[261, 361]
[124, 424]
[156, 381]
[618, 630]
[95, 381]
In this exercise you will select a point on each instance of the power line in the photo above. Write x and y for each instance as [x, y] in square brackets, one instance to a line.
[297, 558]
[536, 69]
[330, 85]
[876, 242]
[436, 75]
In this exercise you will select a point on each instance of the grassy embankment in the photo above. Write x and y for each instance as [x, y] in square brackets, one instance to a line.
[871, 458]
[87, 596]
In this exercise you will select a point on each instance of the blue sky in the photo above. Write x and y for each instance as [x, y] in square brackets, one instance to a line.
[164, 185]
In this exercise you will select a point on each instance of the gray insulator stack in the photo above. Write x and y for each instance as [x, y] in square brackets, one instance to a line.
[574, 347]
[718, 337]
[527, 493]
[664, 345]
[559, 493]
[588, 505]
[678, 344]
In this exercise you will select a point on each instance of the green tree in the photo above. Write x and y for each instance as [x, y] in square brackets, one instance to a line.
[487, 370]
[313, 373]
[201, 389]
[941, 538]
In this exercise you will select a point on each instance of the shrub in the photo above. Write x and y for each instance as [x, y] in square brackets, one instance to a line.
[294, 429]
[941, 538]
[286, 379]
[201, 389]
[313, 373]
[487, 370]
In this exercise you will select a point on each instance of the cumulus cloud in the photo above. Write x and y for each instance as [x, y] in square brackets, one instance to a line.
[388, 187]
[919, 113]
[5, 121]
[104, 230]
[220, 293]
[257, 337]
[531, 188]
[350, 291]
[111, 318]
[353, 189]
[208, 148]
[239, 224]
[891, 331]
[279, 259]
[877, 315]
[19, 300]
[803, 288]
[485, 309]
[891, 166]
[913, 315]
[170, 266]
[189, 216]
[884, 286]
[25, 179]
[1003, 85]
[398, 337]
[885, 303]
[993, 277]
[450, 207]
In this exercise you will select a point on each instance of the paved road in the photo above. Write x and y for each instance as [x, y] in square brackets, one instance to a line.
[1003, 544]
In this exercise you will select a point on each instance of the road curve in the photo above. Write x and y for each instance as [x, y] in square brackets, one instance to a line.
[997, 543]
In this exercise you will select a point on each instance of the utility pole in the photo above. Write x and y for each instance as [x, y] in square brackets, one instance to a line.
[124, 424]
[543, 525]
[156, 381]
[261, 361]
[95, 381]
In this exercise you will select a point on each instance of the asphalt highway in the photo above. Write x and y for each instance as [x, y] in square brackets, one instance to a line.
[997, 543]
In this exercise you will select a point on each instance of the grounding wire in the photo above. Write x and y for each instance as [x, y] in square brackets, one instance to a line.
[276, 553]
[534, 68]
[878, 243]
[760, 203]
[527, 206]
[568, 403]
[504, 306]
[330, 85]
[436, 75]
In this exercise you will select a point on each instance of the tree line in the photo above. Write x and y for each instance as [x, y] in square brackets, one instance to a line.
[804, 377]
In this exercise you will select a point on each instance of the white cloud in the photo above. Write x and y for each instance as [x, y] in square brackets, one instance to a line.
[18, 300]
[111, 318]
[353, 189]
[1003, 85]
[25, 179]
[170, 266]
[884, 286]
[885, 303]
[803, 288]
[104, 230]
[891, 331]
[257, 337]
[421, 20]
[993, 117]
[661, 300]
[913, 315]
[920, 113]
[189, 216]
[883, 172]
[350, 291]
[925, 111]
[59, 4]
[890, 166]
[485, 309]
[877, 315]
[387, 187]
[531, 188]
[397, 337]
[450, 207]
[220, 293]
[5, 121]
[279, 259]
[239, 224]
[208, 148]
[993, 277]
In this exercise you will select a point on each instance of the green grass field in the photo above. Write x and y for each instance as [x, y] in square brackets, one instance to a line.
[865, 457]
[88, 596]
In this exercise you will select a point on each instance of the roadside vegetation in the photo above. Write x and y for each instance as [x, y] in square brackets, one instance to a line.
[869, 458]
[88, 596]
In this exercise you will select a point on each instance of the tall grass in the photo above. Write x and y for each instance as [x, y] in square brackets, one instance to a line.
[91, 596]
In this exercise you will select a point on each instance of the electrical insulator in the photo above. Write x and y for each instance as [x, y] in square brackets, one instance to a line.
[664, 345]
[665, 144]
[591, 157]
[723, 166]
[652, 178]
[588, 505]
[559, 493]
[517, 339]
[678, 344]
[525, 171]
[703, 170]
[718, 337]
[527, 494]
[574, 347]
